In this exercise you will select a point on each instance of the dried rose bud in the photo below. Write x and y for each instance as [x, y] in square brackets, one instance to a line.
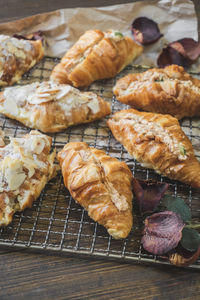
[145, 31]
[162, 232]
[148, 194]
[182, 52]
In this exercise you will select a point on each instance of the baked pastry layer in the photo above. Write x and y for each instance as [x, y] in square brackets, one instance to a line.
[158, 142]
[51, 107]
[96, 55]
[169, 91]
[17, 56]
[26, 165]
[101, 184]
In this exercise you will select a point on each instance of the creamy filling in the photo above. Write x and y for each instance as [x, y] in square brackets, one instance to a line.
[161, 78]
[114, 35]
[152, 130]
[118, 200]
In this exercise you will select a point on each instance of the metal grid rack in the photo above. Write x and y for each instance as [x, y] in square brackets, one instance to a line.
[55, 221]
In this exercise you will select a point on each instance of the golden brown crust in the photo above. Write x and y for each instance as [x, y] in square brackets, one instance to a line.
[26, 165]
[17, 57]
[101, 184]
[96, 55]
[51, 107]
[158, 142]
[169, 91]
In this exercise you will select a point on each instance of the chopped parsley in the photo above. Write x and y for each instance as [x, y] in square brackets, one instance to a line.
[182, 150]
[159, 79]
[117, 33]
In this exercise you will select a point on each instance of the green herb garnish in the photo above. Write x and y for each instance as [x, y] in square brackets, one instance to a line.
[117, 33]
[182, 150]
[159, 79]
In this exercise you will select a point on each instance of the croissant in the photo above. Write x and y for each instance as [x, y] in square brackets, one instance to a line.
[169, 91]
[158, 142]
[96, 55]
[51, 107]
[101, 184]
[17, 56]
[25, 167]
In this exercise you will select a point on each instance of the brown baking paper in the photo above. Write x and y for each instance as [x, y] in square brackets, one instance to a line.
[62, 28]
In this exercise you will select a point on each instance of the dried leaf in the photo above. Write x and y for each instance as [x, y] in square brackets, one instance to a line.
[32, 37]
[170, 56]
[178, 206]
[182, 52]
[183, 258]
[145, 31]
[190, 239]
[187, 47]
[162, 232]
[148, 194]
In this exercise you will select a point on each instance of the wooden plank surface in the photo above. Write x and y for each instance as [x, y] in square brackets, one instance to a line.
[29, 275]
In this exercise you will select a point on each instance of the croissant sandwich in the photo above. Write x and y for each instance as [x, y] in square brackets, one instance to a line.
[51, 107]
[158, 142]
[101, 184]
[25, 167]
[96, 55]
[17, 56]
[169, 91]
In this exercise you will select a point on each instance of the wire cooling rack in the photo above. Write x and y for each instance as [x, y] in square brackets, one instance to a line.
[55, 221]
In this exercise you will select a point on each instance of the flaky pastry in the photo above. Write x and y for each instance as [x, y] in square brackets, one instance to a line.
[51, 107]
[158, 142]
[169, 91]
[17, 56]
[25, 167]
[101, 184]
[96, 55]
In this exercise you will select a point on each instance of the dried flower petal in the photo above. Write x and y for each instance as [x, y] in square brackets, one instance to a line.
[170, 56]
[187, 47]
[162, 232]
[145, 31]
[148, 194]
[182, 52]
[183, 258]
[32, 37]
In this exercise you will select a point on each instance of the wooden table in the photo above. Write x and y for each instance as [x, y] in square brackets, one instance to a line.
[25, 274]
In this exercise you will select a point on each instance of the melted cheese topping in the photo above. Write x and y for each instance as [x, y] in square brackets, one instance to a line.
[152, 130]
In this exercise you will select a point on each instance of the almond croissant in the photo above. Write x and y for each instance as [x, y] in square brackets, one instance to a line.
[96, 55]
[17, 56]
[169, 91]
[101, 184]
[158, 142]
[26, 165]
[51, 107]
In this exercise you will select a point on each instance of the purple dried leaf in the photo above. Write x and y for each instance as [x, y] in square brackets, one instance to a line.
[145, 31]
[188, 47]
[148, 194]
[162, 232]
[32, 37]
[182, 52]
[170, 56]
